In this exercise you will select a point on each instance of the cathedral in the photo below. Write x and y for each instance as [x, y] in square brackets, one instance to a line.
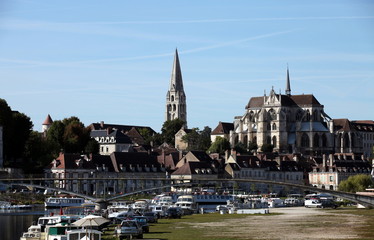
[292, 124]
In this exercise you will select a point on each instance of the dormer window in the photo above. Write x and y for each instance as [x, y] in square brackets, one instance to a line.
[197, 170]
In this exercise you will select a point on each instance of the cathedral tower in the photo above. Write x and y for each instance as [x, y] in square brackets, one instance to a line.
[175, 98]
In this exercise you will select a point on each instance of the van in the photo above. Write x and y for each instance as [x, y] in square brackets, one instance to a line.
[313, 203]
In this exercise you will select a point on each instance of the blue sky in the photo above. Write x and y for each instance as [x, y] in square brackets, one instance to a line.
[111, 60]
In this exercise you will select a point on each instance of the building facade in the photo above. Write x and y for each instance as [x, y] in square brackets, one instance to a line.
[176, 106]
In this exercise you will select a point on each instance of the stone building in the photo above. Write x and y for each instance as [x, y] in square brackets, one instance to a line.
[330, 170]
[291, 123]
[176, 106]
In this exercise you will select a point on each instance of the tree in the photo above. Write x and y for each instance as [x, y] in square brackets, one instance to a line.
[192, 138]
[147, 135]
[220, 145]
[170, 128]
[267, 148]
[356, 183]
[252, 146]
[92, 146]
[240, 147]
[55, 136]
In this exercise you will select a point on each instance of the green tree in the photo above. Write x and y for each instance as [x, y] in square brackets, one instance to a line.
[76, 137]
[198, 140]
[356, 183]
[220, 145]
[170, 128]
[252, 146]
[267, 148]
[55, 136]
[147, 135]
[240, 147]
[92, 146]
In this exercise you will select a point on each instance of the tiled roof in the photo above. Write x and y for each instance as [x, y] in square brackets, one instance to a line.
[343, 125]
[196, 168]
[72, 161]
[48, 120]
[223, 128]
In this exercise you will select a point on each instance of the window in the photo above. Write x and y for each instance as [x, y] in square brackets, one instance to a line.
[324, 140]
[274, 141]
[316, 140]
[331, 178]
[304, 140]
[274, 126]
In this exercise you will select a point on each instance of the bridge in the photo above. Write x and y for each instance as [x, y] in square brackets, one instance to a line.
[367, 201]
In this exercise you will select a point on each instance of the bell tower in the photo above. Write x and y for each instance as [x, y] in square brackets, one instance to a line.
[176, 106]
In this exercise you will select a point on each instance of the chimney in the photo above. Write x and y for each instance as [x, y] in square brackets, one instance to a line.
[108, 130]
[102, 124]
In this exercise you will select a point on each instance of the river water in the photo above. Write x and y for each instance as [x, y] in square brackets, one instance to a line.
[14, 222]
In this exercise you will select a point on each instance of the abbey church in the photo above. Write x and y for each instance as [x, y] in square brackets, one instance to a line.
[296, 124]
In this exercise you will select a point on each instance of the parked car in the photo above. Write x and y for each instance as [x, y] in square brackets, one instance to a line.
[143, 222]
[129, 228]
[313, 203]
[328, 204]
[151, 217]
[174, 212]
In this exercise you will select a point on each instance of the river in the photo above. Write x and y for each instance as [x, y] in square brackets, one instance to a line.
[14, 222]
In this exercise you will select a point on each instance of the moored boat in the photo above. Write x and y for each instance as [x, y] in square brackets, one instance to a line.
[58, 202]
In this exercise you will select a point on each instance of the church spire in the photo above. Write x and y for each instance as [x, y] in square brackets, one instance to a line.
[176, 82]
[176, 106]
[288, 85]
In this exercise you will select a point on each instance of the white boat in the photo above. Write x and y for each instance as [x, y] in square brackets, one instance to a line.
[83, 234]
[58, 202]
[124, 213]
[202, 199]
[33, 233]
[186, 203]
[160, 210]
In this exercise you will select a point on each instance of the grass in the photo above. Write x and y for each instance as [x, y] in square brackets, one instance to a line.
[207, 226]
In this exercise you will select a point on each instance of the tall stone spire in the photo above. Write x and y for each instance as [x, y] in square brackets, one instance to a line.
[288, 85]
[175, 98]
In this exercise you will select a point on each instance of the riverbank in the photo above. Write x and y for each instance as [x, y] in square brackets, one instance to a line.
[282, 223]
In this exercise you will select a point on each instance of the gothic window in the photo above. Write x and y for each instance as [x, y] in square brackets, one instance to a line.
[307, 118]
[274, 126]
[274, 141]
[304, 140]
[174, 107]
[315, 116]
[172, 98]
[316, 140]
[251, 116]
[272, 114]
[324, 140]
[298, 115]
[169, 107]
[346, 140]
[254, 139]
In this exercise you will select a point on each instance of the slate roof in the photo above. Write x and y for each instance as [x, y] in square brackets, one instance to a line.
[293, 100]
[223, 128]
[118, 135]
[70, 161]
[131, 160]
[122, 128]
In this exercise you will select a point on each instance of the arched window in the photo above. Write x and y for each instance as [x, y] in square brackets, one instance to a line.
[307, 118]
[324, 140]
[346, 140]
[172, 98]
[274, 126]
[305, 140]
[274, 140]
[298, 115]
[251, 116]
[174, 107]
[316, 140]
[272, 114]
[315, 116]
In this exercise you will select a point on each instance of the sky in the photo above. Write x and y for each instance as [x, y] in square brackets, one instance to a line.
[111, 61]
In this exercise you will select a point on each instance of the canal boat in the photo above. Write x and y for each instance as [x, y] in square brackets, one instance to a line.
[186, 203]
[58, 202]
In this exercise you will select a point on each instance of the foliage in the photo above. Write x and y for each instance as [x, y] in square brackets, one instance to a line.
[170, 128]
[267, 148]
[252, 146]
[220, 145]
[198, 140]
[147, 135]
[356, 183]
[240, 147]
[92, 146]
[69, 135]
[16, 130]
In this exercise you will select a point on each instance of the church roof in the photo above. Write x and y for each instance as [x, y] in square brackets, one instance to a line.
[48, 120]
[223, 128]
[293, 100]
